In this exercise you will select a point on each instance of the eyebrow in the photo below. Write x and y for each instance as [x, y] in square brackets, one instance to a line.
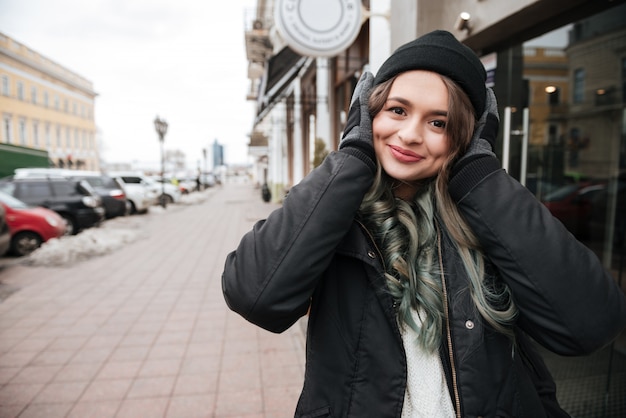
[407, 103]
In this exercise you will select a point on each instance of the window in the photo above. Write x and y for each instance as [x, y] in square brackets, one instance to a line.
[64, 188]
[45, 98]
[579, 85]
[22, 132]
[5, 85]
[76, 139]
[33, 190]
[131, 179]
[48, 141]
[20, 90]
[74, 108]
[8, 188]
[57, 102]
[68, 141]
[66, 106]
[59, 140]
[35, 134]
[7, 129]
[33, 94]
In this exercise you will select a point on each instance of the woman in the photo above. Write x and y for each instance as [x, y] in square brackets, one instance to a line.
[423, 266]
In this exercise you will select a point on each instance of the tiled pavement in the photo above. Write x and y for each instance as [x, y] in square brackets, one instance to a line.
[144, 332]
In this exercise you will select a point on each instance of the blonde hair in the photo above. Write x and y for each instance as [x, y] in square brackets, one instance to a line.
[407, 236]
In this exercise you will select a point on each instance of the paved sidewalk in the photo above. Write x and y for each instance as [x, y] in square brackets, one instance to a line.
[144, 331]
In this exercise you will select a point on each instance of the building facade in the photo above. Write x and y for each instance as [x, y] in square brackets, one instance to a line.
[558, 69]
[46, 106]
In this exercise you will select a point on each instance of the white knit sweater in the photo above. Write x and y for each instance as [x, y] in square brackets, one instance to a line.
[426, 393]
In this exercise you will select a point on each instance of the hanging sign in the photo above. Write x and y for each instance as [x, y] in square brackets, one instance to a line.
[318, 28]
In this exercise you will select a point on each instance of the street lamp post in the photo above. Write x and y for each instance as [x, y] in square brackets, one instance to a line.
[204, 174]
[161, 127]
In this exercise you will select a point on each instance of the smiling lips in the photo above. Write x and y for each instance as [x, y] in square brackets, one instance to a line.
[404, 155]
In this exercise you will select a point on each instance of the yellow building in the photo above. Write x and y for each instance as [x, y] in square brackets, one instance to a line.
[46, 106]
[546, 70]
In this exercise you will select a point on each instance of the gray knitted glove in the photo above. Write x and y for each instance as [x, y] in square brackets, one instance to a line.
[357, 137]
[484, 139]
[479, 160]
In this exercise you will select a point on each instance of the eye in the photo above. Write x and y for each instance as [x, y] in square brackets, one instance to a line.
[396, 110]
[439, 124]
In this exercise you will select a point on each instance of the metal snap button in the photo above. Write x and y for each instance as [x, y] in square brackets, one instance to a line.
[469, 324]
[371, 254]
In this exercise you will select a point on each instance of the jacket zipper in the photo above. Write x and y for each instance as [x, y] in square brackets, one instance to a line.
[457, 401]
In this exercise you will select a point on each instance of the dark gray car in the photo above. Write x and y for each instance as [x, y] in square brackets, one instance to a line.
[110, 191]
[75, 200]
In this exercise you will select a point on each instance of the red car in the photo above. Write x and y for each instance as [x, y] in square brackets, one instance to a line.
[573, 204]
[29, 226]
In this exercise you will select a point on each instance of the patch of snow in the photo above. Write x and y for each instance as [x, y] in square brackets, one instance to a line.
[111, 235]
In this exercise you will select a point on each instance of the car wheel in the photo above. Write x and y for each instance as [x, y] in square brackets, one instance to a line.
[70, 224]
[24, 243]
[128, 209]
[166, 199]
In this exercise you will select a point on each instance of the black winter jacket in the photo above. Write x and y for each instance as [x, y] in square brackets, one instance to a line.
[312, 253]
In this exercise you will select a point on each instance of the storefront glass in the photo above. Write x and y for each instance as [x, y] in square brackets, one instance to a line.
[563, 99]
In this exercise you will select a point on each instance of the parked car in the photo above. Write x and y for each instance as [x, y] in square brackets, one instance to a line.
[610, 205]
[5, 234]
[208, 180]
[159, 192]
[166, 191]
[187, 185]
[29, 226]
[110, 190]
[138, 191]
[573, 204]
[74, 200]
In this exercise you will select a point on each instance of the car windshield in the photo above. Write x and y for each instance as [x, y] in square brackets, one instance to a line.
[85, 188]
[12, 202]
[109, 182]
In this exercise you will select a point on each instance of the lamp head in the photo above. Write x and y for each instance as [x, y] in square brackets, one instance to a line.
[463, 22]
[161, 126]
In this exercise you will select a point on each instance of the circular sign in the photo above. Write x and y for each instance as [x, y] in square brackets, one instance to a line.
[319, 28]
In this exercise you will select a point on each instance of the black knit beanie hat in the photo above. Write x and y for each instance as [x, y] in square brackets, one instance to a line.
[439, 51]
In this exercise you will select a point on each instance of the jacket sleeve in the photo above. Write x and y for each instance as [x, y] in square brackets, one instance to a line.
[270, 277]
[567, 300]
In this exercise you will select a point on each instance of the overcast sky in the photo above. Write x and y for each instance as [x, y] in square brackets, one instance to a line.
[183, 60]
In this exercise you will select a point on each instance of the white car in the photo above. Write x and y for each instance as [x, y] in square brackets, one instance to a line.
[139, 191]
[166, 192]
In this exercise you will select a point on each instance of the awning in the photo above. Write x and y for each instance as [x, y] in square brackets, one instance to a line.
[280, 71]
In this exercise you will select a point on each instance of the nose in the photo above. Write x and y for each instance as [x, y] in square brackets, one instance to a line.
[411, 131]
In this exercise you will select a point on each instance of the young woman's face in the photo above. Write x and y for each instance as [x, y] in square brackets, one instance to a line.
[410, 130]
